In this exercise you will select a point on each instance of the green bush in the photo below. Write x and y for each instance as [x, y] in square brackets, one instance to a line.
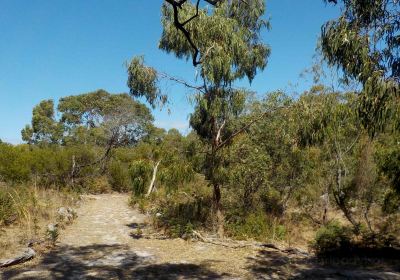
[179, 213]
[258, 226]
[140, 172]
[332, 238]
[14, 164]
[272, 203]
[119, 177]
[175, 175]
[180, 228]
[139, 201]
[97, 185]
[7, 210]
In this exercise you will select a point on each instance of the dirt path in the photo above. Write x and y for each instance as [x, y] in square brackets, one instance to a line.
[101, 245]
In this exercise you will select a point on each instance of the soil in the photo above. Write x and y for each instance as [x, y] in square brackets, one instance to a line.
[105, 242]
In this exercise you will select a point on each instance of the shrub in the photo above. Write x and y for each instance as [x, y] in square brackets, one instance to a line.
[179, 213]
[258, 226]
[175, 175]
[272, 203]
[140, 172]
[14, 164]
[140, 202]
[97, 185]
[119, 177]
[332, 238]
[7, 210]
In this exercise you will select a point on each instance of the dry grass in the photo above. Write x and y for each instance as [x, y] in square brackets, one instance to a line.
[32, 210]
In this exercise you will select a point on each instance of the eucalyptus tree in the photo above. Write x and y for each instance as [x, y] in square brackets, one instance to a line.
[44, 128]
[97, 120]
[100, 118]
[329, 121]
[103, 119]
[228, 37]
[364, 43]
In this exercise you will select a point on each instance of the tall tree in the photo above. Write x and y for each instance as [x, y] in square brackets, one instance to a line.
[103, 118]
[44, 127]
[365, 43]
[228, 37]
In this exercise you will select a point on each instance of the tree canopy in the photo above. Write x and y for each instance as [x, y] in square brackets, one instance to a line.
[364, 43]
[96, 117]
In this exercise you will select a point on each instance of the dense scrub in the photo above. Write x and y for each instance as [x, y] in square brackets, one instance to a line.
[308, 164]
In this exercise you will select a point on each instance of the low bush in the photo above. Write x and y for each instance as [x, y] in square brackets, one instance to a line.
[332, 237]
[140, 172]
[119, 177]
[97, 185]
[257, 226]
[7, 212]
[178, 214]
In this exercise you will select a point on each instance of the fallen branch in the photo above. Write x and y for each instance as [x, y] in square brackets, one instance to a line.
[26, 256]
[235, 244]
[229, 244]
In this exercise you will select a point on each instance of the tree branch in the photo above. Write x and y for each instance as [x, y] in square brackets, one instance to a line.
[180, 81]
[177, 5]
[181, 26]
[246, 126]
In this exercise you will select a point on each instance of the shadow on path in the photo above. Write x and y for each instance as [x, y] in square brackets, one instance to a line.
[106, 262]
[277, 265]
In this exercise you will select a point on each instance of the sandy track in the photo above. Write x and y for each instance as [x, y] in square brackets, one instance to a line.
[100, 245]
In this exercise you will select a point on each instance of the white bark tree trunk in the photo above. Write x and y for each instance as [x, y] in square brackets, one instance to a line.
[153, 179]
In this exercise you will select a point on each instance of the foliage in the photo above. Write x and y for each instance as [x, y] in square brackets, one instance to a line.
[101, 117]
[98, 118]
[180, 213]
[268, 161]
[364, 43]
[52, 234]
[332, 237]
[7, 211]
[229, 39]
[44, 127]
[258, 226]
[13, 164]
[140, 172]
[143, 79]
[119, 177]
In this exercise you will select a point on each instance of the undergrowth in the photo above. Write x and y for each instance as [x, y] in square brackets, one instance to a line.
[25, 212]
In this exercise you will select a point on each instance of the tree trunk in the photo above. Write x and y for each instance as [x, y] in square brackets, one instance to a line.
[219, 216]
[340, 199]
[73, 170]
[326, 206]
[153, 179]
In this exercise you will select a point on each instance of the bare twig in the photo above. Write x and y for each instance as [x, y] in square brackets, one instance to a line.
[180, 81]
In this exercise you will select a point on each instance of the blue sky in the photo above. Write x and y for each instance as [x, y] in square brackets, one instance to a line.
[54, 48]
